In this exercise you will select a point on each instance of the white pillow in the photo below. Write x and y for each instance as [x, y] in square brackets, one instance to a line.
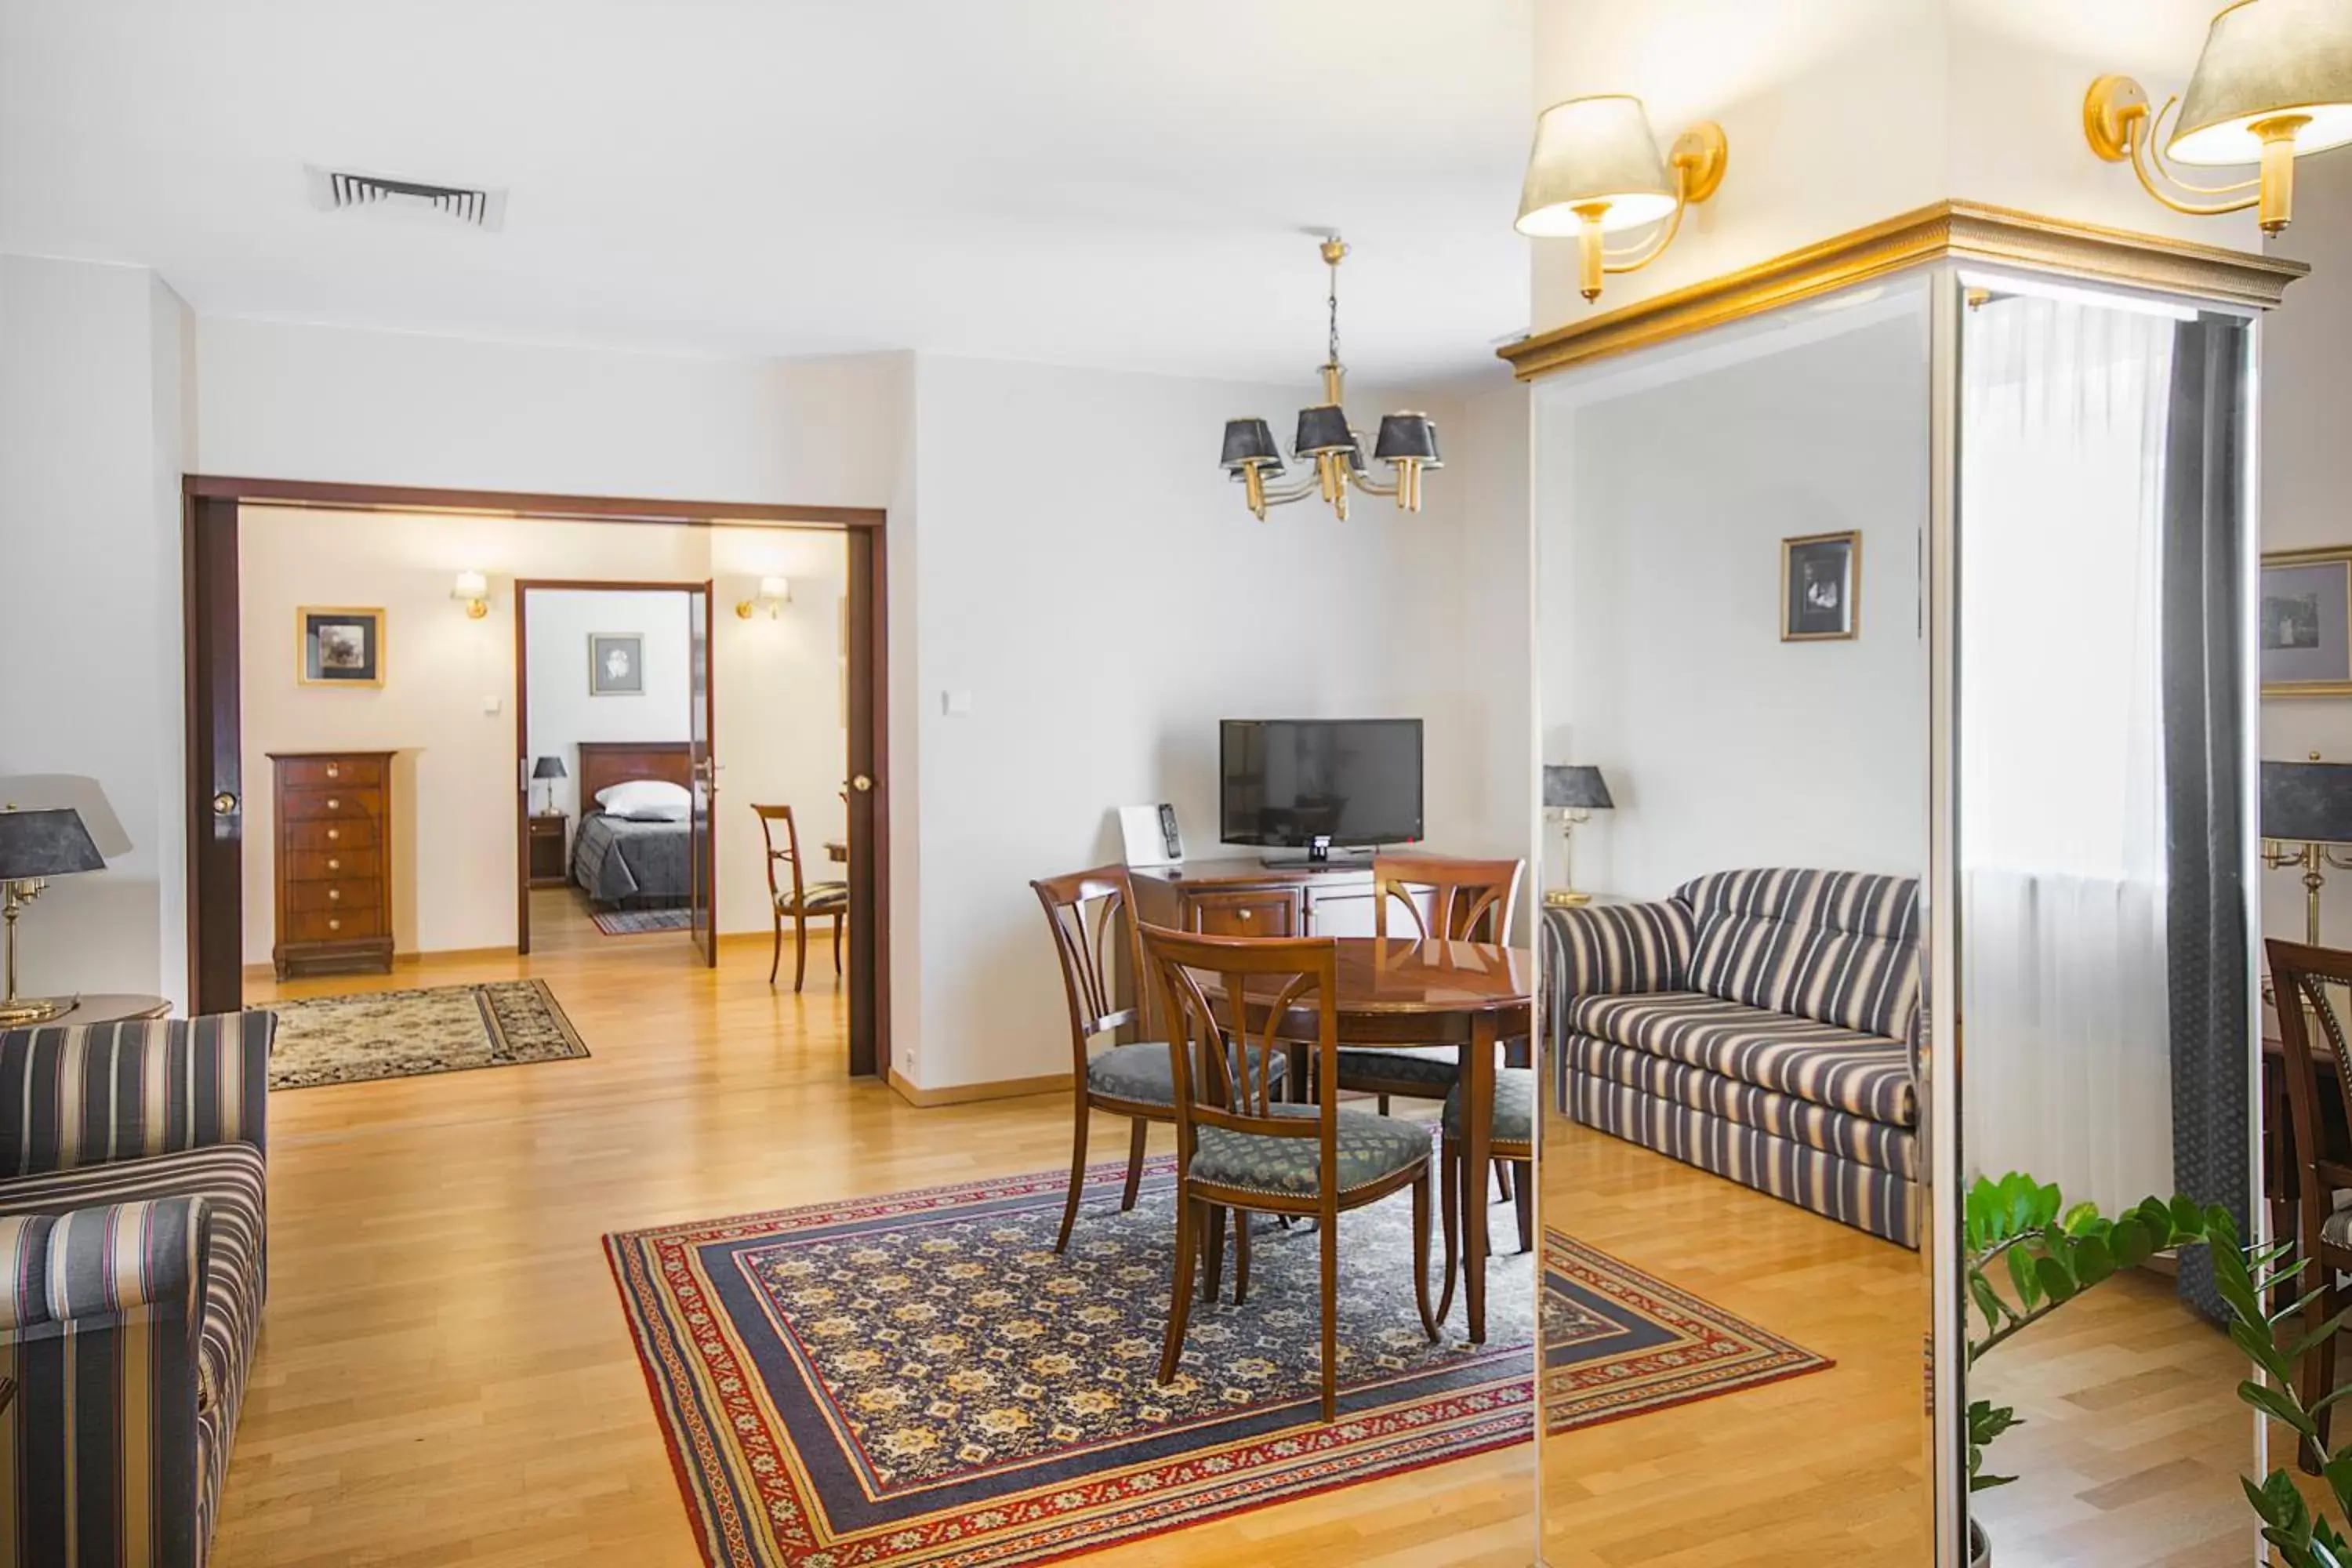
[647, 800]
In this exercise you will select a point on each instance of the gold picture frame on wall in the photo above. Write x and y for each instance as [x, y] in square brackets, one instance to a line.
[2303, 624]
[339, 645]
[1820, 587]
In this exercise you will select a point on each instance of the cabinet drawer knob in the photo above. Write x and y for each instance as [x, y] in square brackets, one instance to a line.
[334, 925]
[333, 865]
[332, 802]
[334, 832]
[330, 770]
[334, 895]
[1244, 914]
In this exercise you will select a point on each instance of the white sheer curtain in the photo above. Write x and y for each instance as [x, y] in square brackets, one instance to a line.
[2067, 1061]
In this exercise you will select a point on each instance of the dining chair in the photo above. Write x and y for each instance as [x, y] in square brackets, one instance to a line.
[2300, 978]
[801, 899]
[1512, 1140]
[1461, 900]
[1241, 1149]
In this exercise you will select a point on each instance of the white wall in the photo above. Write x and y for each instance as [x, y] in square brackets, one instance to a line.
[562, 710]
[1666, 491]
[93, 422]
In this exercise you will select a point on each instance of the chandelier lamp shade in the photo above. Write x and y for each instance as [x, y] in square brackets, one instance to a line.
[2273, 84]
[1407, 442]
[1595, 170]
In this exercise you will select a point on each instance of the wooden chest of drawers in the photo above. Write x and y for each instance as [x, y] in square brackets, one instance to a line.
[334, 862]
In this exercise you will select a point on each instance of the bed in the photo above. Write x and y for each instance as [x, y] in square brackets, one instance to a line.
[632, 864]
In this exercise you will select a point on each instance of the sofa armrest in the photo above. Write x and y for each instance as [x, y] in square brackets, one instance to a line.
[93, 1096]
[1616, 950]
[102, 1262]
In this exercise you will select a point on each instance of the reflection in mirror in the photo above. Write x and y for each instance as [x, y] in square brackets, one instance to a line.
[2103, 943]
[1729, 537]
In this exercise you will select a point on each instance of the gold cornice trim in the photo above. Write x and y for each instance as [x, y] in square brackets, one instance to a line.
[1967, 231]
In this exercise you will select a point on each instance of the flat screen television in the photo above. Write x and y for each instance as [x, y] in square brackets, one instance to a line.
[1319, 784]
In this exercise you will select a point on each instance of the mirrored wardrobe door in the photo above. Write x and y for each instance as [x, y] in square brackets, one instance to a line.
[1734, 692]
[2104, 950]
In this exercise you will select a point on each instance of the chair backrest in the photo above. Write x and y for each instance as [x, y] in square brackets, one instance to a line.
[788, 855]
[1267, 987]
[1092, 916]
[1839, 947]
[1469, 901]
[2300, 978]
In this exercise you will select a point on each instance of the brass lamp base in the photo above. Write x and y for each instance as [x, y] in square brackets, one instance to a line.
[1567, 899]
[18, 1012]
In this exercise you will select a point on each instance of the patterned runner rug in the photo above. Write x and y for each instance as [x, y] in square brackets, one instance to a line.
[399, 1033]
[1618, 1343]
[637, 923]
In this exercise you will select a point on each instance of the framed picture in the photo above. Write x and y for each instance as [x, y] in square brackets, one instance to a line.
[616, 664]
[1820, 587]
[2306, 623]
[338, 646]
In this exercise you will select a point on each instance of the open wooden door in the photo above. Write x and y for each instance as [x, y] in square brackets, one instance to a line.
[215, 780]
[702, 846]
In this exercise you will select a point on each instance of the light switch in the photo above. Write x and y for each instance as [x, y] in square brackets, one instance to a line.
[956, 702]
[491, 704]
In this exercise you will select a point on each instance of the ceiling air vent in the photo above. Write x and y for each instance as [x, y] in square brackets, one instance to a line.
[332, 190]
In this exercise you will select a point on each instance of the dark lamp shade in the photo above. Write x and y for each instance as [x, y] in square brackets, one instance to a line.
[549, 768]
[1408, 437]
[2307, 803]
[53, 843]
[1323, 428]
[1249, 441]
[1576, 787]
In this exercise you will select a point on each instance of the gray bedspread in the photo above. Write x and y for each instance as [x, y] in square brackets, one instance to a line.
[614, 860]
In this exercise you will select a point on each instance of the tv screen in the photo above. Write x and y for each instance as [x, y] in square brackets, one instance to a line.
[1289, 781]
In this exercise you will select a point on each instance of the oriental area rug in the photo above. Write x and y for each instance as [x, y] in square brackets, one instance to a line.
[401, 1034]
[918, 1380]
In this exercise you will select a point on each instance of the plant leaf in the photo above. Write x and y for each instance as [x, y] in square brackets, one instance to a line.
[2279, 1406]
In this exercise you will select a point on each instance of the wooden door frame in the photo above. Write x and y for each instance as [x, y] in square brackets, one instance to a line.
[210, 610]
[523, 588]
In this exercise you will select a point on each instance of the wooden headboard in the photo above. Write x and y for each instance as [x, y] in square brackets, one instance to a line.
[604, 764]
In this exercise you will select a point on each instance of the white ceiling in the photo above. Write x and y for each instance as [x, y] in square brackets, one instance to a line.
[1085, 182]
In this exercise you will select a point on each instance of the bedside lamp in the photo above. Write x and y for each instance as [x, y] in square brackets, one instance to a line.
[1576, 792]
[34, 846]
[548, 768]
[2307, 823]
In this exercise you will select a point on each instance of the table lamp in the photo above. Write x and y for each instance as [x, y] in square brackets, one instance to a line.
[549, 768]
[1576, 792]
[2307, 822]
[34, 846]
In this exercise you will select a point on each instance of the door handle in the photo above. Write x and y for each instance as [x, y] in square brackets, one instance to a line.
[224, 804]
[861, 784]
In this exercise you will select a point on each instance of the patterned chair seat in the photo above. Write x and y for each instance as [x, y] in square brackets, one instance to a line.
[1370, 1148]
[1142, 1071]
[815, 896]
[1515, 1106]
[1868, 1075]
[1434, 1067]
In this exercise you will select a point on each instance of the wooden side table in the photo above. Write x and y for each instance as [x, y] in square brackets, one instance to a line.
[549, 850]
[111, 1010]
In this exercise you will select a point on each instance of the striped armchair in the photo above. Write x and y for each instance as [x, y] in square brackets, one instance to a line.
[1762, 1025]
[131, 1274]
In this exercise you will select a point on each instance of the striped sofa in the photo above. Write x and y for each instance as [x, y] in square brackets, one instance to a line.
[1762, 1025]
[131, 1205]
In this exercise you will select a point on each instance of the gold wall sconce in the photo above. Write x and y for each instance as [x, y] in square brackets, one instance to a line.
[774, 593]
[2273, 84]
[472, 590]
[1595, 170]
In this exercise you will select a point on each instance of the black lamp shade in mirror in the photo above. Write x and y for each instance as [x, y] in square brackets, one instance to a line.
[2307, 803]
[549, 768]
[1249, 441]
[1407, 438]
[1575, 787]
[1323, 428]
[37, 843]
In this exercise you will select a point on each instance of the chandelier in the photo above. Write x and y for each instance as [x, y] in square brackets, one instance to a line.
[1407, 441]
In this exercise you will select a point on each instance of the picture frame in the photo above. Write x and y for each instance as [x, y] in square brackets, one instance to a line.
[2303, 623]
[616, 664]
[1820, 587]
[339, 645]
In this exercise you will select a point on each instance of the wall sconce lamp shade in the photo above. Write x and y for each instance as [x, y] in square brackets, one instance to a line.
[2273, 84]
[1595, 170]
[1575, 787]
[472, 589]
[774, 593]
[45, 792]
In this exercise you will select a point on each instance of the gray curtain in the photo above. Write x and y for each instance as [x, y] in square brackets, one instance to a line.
[2205, 783]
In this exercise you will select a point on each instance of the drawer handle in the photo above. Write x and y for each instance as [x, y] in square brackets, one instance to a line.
[334, 925]
[334, 864]
[334, 895]
[330, 770]
[1244, 914]
[332, 802]
[334, 832]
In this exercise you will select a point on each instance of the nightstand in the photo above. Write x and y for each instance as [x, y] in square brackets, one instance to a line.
[549, 843]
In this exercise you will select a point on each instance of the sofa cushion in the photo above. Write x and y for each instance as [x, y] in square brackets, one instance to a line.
[1839, 947]
[1831, 1130]
[1370, 1147]
[231, 1178]
[1869, 1075]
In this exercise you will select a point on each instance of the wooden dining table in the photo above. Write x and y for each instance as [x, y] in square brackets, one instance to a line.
[1396, 991]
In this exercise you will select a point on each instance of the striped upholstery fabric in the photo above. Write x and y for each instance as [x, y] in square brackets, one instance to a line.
[131, 1277]
[1837, 946]
[1784, 1116]
[1616, 950]
[1867, 1074]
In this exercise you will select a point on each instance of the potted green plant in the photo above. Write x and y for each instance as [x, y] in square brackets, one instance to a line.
[2048, 1254]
